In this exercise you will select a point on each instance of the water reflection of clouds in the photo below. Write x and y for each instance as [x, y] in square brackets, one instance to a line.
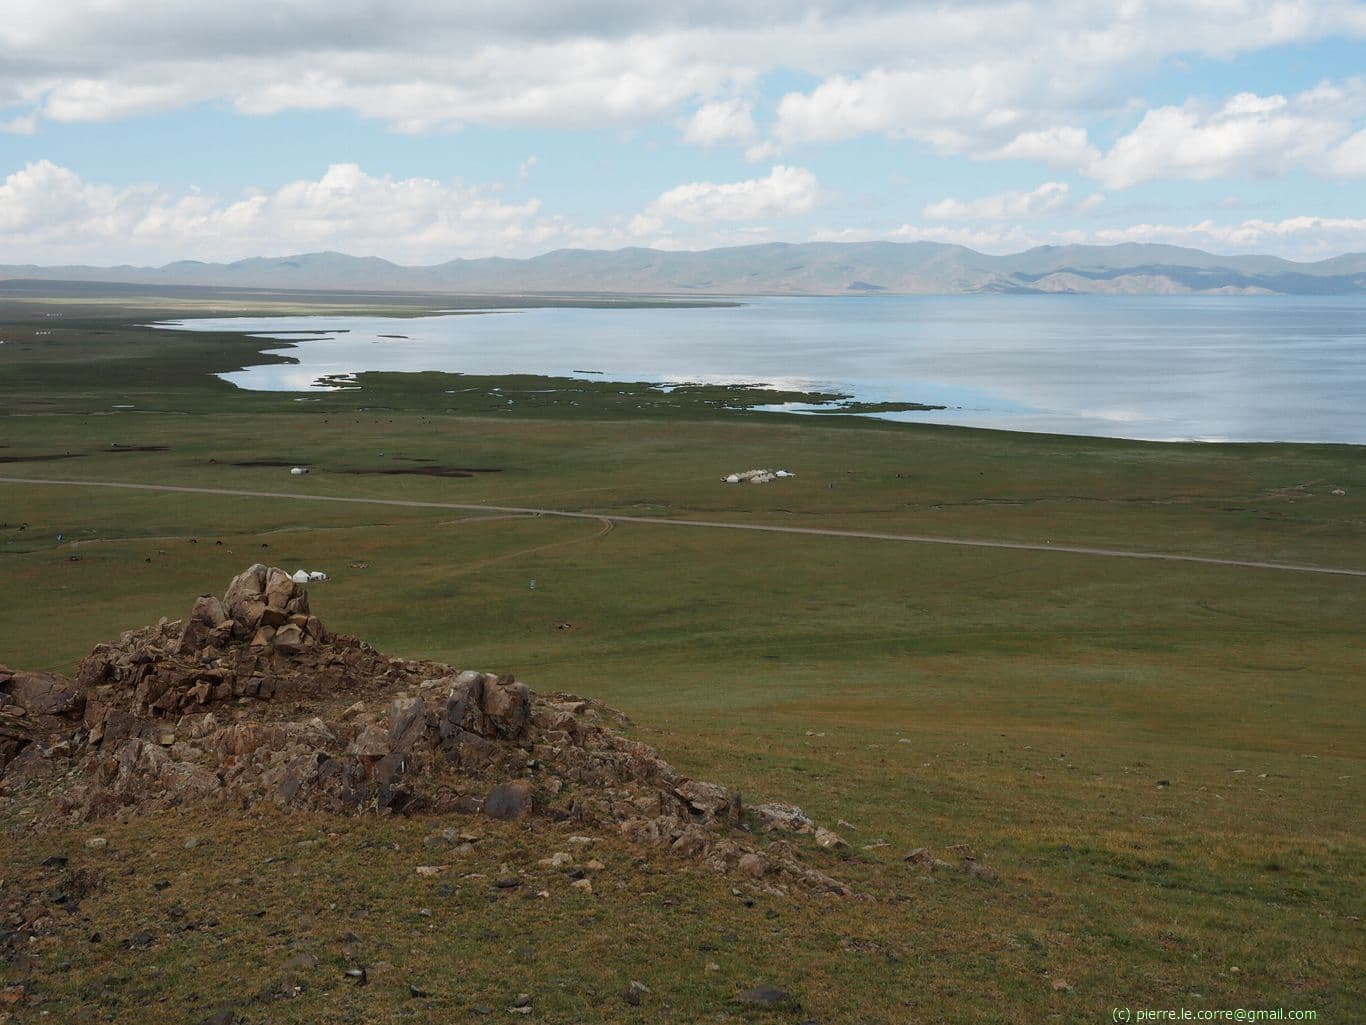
[279, 377]
[1118, 416]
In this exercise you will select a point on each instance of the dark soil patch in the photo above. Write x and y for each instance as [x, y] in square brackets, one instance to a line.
[139, 448]
[41, 459]
[431, 471]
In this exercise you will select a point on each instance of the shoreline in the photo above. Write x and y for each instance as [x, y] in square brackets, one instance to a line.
[826, 400]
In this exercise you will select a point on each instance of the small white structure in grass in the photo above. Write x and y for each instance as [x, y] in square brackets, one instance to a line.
[303, 576]
[298, 471]
[755, 476]
[314, 576]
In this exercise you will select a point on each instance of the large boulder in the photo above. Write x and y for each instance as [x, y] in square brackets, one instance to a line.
[706, 799]
[786, 817]
[465, 705]
[15, 735]
[207, 623]
[245, 596]
[279, 588]
[509, 801]
[41, 693]
[507, 707]
[407, 724]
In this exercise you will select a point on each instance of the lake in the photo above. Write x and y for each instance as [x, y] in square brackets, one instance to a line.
[1225, 368]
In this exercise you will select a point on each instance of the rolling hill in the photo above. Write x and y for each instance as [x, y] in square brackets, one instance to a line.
[813, 268]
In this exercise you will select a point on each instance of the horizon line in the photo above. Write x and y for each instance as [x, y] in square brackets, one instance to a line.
[711, 249]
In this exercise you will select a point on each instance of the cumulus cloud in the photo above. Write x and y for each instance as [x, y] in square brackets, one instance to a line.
[720, 121]
[963, 75]
[786, 191]
[952, 109]
[999, 80]
[1049, 200]
[1260, 136]
[1057, 146]
[1318, 130]
[49, 213]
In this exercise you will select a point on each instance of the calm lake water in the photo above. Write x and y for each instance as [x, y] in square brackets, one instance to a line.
[1154, 367]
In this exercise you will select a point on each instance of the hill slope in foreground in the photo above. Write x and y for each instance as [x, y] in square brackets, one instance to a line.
[812, 268]
[251, 699]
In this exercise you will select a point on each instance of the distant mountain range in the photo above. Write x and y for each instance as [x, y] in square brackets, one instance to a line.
[810, 268]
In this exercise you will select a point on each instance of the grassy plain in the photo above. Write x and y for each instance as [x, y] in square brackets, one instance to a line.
[1162, 760]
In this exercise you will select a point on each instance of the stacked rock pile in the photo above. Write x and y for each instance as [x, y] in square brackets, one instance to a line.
[258, 641]
[250, 699]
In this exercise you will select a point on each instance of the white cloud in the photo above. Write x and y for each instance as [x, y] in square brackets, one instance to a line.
[950, 108]
[49, 214]
[720, 121]
[1011, 239]
[1058, 146]
[1050, 199]
[1349, 159]
[1318, 130]
[1259, 136]
[93, 99]
[24, 124]
[762, 151]
[986, 239]
[784, 192]
[997, 79]
[962, 75]
[1296, 238]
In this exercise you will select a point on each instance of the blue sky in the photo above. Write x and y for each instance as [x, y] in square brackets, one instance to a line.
[424, 131]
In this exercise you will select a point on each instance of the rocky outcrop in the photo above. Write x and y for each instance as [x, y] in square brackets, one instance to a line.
[258, 641]
[249, 699]
[36, 710]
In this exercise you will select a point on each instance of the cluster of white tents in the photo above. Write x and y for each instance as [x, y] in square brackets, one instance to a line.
[303, 576]
[755, 476]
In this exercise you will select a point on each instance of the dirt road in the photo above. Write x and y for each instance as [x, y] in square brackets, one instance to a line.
[922, 539]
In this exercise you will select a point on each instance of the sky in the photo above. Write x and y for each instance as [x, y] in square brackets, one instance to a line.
[423, 131]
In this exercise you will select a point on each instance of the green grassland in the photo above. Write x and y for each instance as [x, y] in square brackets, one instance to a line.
[1029, 703]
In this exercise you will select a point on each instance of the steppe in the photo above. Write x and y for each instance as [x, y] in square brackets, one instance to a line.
[1161, 759]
